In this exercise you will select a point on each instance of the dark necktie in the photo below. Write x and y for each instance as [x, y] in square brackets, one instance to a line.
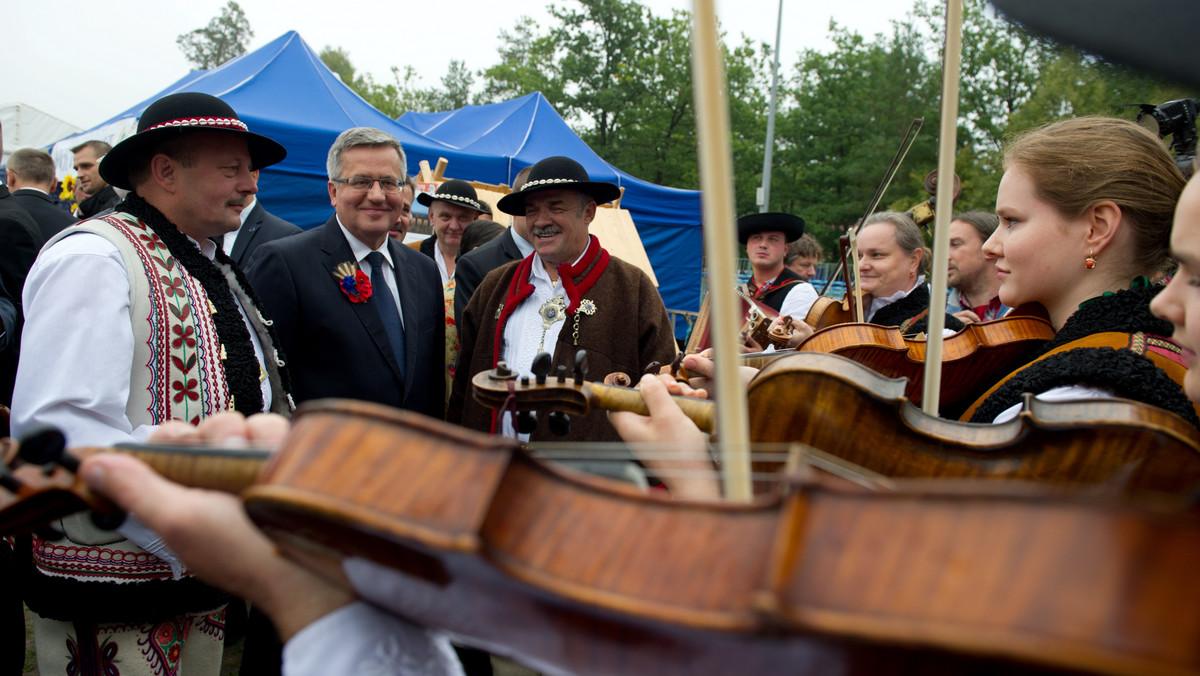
[382, 296]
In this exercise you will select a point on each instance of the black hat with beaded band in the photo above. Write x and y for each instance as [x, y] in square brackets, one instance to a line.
[453, 191]
[1159, 38]
[558, 173]
[791, 226]
[177, 114]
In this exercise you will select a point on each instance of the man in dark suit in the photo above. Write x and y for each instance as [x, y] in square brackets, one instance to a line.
[474, 265]
[20, 241]
[31, 178]
[259, 226]
[342, 334]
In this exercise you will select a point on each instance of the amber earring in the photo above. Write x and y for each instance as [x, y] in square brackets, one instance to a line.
[1090, 261]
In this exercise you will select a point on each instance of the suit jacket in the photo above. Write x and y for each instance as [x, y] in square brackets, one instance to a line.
[261, 227]
[474, 266]
[20, 241]
[49, 218]
[337, 348]
[426, 246]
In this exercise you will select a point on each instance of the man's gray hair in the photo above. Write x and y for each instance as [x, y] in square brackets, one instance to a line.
[361, 136]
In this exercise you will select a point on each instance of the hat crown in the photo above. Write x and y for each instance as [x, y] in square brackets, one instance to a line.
[557, 169]
[187, 106]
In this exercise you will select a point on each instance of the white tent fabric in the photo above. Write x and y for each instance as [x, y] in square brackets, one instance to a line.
[28, 127]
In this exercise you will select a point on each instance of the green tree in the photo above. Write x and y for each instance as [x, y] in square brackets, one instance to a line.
[845, 114]
[225, 37]
[621, 77]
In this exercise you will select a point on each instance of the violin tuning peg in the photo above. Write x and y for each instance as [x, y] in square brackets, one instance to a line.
[676, 363]
[541, 367]
[560, 423]
[581, 366]
[526, 422]
[562, 374]
[107, 520]
[44, 446]
[652, 368]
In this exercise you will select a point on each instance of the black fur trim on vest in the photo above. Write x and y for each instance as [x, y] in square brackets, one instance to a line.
[904, 309]
[68, 600]
[1125, 374]
[241, 366]
[1127, 311]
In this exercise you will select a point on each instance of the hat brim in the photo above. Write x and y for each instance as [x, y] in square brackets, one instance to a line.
[602, 192]
[425, 199]
[118, 162]
[1158, 38]
[790, 225]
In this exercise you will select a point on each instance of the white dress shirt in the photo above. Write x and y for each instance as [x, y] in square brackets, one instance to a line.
[525, 331]
[77, 344]
[360, 252]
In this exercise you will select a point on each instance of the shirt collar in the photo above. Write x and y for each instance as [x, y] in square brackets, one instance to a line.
[523, 245]
[361, 250]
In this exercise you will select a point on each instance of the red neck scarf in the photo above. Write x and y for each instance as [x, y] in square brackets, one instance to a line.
[576, 279]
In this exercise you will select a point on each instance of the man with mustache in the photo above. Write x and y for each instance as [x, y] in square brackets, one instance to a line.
[568, 295]
[974, 286]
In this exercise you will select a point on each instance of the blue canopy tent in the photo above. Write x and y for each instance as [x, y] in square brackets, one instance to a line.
[502, 138]
[285, 91]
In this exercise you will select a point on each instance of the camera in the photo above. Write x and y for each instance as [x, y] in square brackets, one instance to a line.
[1176, 119]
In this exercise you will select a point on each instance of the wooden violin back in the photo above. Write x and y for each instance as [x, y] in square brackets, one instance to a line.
[581, 575]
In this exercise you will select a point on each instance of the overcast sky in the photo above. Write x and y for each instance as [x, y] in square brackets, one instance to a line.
[84, 62]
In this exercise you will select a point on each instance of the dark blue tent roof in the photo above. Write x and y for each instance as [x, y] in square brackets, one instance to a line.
[283, 90]
[507, 136]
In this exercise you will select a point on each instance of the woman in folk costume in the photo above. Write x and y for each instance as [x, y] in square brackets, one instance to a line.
[1085, 210]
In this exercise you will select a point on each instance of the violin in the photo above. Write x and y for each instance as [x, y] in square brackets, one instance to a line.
[467, 534]
[851, 412]
[973, 359]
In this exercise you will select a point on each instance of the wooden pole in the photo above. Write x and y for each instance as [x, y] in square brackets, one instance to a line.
[720, 243]
[947, 142]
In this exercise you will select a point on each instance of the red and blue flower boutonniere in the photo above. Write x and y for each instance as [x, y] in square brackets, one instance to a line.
[354, 282]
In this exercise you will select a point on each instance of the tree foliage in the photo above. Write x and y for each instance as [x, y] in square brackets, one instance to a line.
[621, 77]
[226, 36]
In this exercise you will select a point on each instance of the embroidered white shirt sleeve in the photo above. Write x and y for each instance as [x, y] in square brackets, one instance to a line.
[361, 640]
[77, 345]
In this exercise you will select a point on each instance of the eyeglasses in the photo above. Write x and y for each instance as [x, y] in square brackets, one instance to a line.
[364, 183]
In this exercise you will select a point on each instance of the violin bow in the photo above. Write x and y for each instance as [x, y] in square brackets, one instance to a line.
[947, 140]
[720, 243]
[906, 144]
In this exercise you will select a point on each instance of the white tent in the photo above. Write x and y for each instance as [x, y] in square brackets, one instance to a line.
[28, 127]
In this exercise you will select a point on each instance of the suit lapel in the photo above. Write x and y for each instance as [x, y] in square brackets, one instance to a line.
[249, 230]
[336, 251]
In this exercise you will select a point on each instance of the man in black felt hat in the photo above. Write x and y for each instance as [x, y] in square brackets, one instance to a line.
[451, 209]
[568, 295]
[767, 236]
[135, 318]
